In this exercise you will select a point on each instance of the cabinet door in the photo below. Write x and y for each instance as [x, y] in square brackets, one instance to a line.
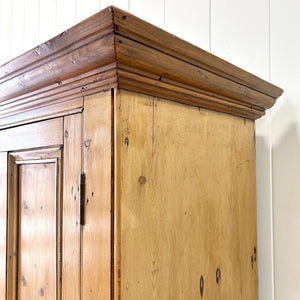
[43, 209]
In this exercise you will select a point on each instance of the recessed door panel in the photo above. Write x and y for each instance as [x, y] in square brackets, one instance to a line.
[37, 231]
[43, 230]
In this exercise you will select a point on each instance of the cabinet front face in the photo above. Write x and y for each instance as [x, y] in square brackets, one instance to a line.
[43, 163]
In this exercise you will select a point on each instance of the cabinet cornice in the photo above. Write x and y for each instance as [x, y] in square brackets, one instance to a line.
[114, 48]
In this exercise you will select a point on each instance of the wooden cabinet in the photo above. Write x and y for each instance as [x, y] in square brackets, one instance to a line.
[127, 167]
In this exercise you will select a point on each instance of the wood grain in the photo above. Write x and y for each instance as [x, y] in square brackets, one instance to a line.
[71, 207]
[56, 109]
[129, 26]
[162, 65]
[185, 218]
[12, 229]
[42, 134]
[97, 253]
[180, 93]
[95, 27]
[37, 232]
[3, 220]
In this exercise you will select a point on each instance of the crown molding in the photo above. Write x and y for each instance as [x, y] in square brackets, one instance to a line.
[116, 49]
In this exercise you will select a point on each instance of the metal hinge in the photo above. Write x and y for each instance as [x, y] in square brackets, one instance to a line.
[82, 196]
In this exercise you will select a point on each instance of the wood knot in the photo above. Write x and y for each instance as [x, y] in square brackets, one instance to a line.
[126, 141]
[24, 280]
[66, 133]
[218, 276]
[41, 292]
[87, 143]
[25, 205]
[201, 285]
[142, 180]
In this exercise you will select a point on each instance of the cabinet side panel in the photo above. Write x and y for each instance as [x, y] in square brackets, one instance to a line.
[187, 202]
[97, 168]
[3, 211]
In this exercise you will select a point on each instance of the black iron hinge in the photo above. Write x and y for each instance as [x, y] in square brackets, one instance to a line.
[82, 195]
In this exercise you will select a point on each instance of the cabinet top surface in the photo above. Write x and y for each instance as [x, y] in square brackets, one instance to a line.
[116, 49]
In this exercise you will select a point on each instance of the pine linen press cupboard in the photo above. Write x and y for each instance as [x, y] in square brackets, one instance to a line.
[127, 167]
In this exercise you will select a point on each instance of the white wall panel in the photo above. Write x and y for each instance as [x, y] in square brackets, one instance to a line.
[86, 8]
[152, 11]
[65, 14]
[189, 20]
[17, 27]
[264, 207]
[123, 4]
[286, 195]
[5, 30]
[31, 24]
[239, 33]
[47, 20]
[285, 70]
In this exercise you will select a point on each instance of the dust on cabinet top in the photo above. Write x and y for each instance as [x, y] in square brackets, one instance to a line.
[112, 49]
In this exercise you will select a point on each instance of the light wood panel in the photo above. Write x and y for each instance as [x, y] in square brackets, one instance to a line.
[3, 219]
[42, 134]
[37, 231]
[43, 113]
[71, 207]
[186, 196]
[12, 229]
[98, 169]
[34, 224]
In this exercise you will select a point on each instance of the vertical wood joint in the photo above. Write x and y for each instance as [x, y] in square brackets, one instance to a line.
[82, 195]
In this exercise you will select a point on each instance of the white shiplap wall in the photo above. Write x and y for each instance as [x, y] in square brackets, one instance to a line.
[261, 36]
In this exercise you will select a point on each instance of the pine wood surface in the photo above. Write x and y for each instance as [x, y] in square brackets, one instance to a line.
[43, 134]
[187, 202]
[37, 230]
[87, 58]
[71, 259]
[34, 214]
[12, 230]
[56, 109]
[97, 155]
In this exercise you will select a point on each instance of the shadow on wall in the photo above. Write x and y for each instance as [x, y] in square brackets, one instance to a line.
[286, 197]
[264, 222]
